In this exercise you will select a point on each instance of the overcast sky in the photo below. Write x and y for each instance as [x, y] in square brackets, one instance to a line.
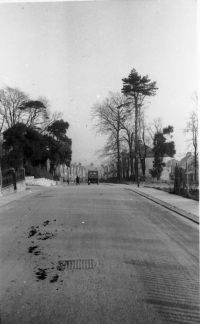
[74, 53]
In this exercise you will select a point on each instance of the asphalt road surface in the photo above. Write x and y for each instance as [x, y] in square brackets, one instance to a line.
[96, 254]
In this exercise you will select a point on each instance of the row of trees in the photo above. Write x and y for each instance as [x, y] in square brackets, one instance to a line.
[122, 117]
[30, 133]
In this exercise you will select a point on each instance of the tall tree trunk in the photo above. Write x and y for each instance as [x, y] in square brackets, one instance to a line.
[128, 169]
[118, 156]
[136, 141]
[131, 164]
[131, 158]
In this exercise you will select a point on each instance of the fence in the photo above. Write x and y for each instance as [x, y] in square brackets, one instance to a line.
[11, 178]
[184, 183]
[20, 175]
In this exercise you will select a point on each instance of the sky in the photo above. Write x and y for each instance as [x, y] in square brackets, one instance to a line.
[75, 52]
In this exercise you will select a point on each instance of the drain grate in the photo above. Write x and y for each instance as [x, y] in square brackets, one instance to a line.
[77, 264]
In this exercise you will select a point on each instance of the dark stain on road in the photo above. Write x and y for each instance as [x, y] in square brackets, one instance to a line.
[41, 274]
[32, 248]
[32, 231]
[37, 252]
[54, 278]
[41, 234]
[46, 223]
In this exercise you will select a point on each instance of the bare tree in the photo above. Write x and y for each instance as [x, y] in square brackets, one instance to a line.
[17, 107]
[35, 113]
[10, 102]
[129, 138]
[110, 148]
[154, 127]
[50, 120]
[109, 117]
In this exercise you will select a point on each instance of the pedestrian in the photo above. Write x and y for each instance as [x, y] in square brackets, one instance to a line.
[77, 180]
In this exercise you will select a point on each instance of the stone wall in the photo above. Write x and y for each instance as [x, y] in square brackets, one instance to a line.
[31, 181]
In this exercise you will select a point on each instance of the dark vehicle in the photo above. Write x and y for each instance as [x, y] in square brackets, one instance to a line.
[93, 177]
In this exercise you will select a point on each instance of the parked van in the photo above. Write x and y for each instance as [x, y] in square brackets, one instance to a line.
[93, 177]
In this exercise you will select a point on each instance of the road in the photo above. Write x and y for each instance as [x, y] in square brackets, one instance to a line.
[96, 254]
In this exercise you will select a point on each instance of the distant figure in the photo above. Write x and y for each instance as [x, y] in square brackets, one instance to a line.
[77, 180]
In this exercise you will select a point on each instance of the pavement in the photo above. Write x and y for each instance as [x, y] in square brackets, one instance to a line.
[14, 196]
[183, 206]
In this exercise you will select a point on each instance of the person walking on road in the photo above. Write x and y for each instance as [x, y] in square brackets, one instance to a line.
[77, 180]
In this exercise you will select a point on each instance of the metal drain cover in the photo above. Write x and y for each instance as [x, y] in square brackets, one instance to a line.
[77, 264]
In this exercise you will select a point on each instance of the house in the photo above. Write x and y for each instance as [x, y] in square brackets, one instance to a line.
[149, 159]
[188, 164]
[170, 167]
